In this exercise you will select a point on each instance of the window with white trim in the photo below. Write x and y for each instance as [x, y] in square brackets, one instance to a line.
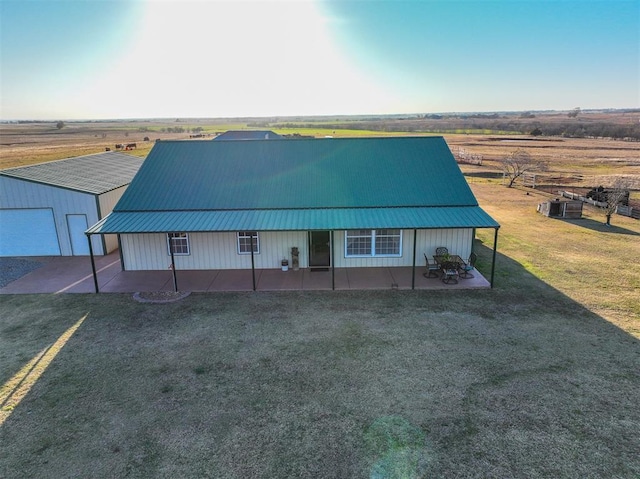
[179, 242]
[359, 243]
[244, 242]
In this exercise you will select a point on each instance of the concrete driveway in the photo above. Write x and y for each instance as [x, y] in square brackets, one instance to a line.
[64, 274]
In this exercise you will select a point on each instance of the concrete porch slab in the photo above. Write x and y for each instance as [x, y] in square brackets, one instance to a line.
[74, 275]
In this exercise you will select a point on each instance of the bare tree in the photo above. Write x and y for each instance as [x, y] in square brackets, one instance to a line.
[574, 113]
[518, 163]
[617, 195]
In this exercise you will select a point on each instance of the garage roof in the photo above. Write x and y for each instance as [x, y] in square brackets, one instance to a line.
[95, 174]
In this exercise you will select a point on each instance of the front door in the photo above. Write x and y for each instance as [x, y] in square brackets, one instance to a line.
[319, 249]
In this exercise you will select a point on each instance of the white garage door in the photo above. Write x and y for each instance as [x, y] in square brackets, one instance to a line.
[28, 232]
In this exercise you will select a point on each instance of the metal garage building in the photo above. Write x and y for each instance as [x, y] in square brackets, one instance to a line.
[46, 208]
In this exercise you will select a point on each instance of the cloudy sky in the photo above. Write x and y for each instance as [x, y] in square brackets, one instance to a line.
[100, 59]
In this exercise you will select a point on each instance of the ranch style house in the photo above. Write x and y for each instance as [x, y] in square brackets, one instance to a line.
[338, 203]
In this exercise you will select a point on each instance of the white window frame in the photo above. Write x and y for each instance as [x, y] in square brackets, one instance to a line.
[244, 235]
[372, 234]
[182, 242]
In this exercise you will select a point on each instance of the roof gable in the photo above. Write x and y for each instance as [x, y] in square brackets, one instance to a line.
[93, 174]
[294, 174]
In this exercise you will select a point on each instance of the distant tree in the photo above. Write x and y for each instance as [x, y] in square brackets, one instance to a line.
[536, 132]
[574, 113]
[615, 196]
[60, 125]
[518, 163]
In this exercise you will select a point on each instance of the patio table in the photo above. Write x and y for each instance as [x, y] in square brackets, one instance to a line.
[449, 266]
[452, 258]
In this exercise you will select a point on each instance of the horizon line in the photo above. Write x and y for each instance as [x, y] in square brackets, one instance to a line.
[338, 115]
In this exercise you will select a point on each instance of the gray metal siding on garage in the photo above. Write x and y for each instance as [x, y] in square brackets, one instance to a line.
[17, 194]
[106, 203]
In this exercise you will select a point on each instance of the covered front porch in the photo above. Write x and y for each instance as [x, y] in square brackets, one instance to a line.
[315, 276]
[115, 281]
[73, 274]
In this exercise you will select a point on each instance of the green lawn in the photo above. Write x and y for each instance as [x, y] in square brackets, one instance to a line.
[525, 380]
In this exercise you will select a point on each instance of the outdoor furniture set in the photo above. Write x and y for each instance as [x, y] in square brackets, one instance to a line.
[449, 267]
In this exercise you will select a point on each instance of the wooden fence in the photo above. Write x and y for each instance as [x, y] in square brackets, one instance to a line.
[628, 211]
[621, 210]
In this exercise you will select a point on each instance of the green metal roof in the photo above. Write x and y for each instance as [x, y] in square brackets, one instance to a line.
[95, 174]
[295, 220]
[278, 185]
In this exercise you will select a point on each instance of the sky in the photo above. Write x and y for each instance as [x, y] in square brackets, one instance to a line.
[117, 59]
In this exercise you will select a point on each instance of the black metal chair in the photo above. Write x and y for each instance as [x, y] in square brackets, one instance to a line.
[466, 268]
[442, 250]
[449, 272]
[432, 269]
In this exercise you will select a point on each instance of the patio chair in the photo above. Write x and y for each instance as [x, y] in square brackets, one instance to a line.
[432, 269]
[442, 250]
[450, 272]
[466, 268]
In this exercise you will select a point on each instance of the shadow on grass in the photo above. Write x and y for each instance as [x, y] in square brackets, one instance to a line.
[517, 381]
[600, 226]
[29, 324]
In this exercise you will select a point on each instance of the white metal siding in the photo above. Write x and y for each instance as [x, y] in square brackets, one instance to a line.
[219, 250]
[211, 251]
[19, 194]
[28, 232]
[457, 241]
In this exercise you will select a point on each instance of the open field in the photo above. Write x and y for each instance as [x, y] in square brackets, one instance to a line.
[27, 143]
[574, 163]
[537, 378]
